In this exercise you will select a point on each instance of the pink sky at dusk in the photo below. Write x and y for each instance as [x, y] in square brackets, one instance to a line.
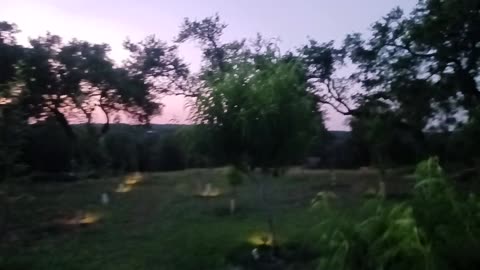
[111, 21]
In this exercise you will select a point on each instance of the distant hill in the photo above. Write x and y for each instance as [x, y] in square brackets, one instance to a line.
[338, 135]
[124, 127]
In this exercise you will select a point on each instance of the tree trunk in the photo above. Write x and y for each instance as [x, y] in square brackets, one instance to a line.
[62, 120]
[106, 126]
[269, 213]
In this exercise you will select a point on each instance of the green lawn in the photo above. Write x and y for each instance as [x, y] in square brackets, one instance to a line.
[161, 223]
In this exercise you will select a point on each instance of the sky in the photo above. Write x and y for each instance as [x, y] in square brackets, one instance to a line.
[112, 21]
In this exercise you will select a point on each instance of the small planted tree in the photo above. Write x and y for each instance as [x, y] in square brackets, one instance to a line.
[260, 116]
[254, 103]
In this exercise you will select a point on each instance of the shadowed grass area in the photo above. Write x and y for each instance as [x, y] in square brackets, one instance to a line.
[161, 222]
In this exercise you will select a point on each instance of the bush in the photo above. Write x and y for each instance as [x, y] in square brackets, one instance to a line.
[451, 223]
[437, 229]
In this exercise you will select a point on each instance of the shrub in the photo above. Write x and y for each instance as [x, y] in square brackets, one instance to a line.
[450, 222]
[437, 229]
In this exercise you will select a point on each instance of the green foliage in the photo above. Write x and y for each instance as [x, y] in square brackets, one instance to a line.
[449, 220]
[436, 35]
[437, 229]
[198, 147]
[388, 238]
[262, 117]
[414, 71]
[428, 169]
[207, 32]
[72, 80]
[44, 147]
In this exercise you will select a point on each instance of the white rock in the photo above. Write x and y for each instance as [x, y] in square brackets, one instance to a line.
[105, 199]
[255, 254]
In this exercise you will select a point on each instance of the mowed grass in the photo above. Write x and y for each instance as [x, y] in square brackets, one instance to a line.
[162, 223]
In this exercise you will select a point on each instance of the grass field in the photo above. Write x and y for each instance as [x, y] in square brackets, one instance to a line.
[162, 223]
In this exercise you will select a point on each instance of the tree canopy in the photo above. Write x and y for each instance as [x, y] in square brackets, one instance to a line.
[410, 75]
[71, 80]
[260, 117]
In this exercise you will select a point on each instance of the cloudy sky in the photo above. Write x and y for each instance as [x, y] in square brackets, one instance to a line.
[111, 21]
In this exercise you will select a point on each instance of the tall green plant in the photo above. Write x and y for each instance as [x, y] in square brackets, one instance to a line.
[437, 229]
[450, 220]
[376, 237]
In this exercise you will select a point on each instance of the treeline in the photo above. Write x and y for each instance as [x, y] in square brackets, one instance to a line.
[125, 148]
[413, 91]
[129, 148]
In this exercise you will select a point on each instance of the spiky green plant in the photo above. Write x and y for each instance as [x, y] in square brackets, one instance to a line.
[437, 229]
[450, 220]
[389, 238]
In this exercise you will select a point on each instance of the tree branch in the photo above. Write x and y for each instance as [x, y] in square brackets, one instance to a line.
[334, 95]
[408, 49]
[335, 107]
